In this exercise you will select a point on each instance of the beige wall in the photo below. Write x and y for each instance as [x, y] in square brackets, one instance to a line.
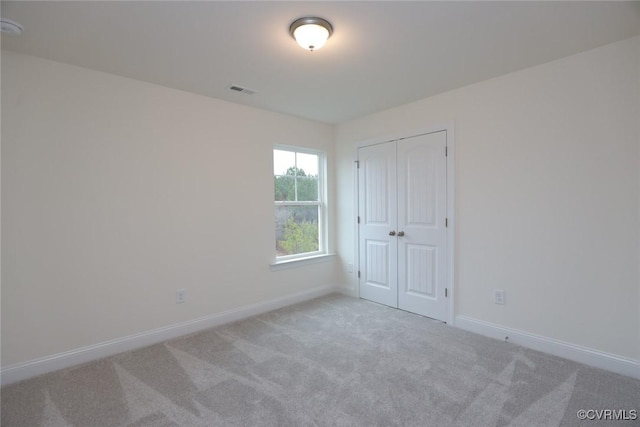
[547, 196]
[115, 193]
[638, 137]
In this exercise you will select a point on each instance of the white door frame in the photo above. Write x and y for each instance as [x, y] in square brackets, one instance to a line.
[451, 212]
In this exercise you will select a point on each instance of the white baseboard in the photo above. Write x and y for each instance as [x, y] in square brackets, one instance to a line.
[588, 356]
[22, 371]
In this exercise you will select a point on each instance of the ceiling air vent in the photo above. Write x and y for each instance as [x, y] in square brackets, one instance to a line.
[241, 89]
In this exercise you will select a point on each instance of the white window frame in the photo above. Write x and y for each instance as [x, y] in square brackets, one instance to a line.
[321, 203]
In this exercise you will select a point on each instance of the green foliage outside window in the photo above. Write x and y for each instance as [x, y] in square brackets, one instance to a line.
[285, 186]
[296, 226]
[299, 237]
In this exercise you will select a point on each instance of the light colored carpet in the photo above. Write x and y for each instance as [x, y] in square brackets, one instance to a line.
[333, 361]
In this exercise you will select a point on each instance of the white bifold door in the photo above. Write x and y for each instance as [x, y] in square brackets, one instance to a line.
[402, 210]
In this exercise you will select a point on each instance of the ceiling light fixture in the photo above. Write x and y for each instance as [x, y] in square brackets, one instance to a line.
[311, 33]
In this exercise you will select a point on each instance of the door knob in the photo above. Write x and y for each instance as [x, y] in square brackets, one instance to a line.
[392, 233]
[400, 233]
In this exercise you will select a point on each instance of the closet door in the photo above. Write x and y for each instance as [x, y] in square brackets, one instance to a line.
[402, 207]
[422, 233]
[378, 244]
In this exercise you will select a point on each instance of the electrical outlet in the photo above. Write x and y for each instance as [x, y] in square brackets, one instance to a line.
[181, 296]
[498, 296]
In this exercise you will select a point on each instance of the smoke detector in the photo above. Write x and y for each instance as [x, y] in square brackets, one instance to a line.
[10, 27]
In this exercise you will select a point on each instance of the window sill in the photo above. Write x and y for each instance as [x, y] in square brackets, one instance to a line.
[299, 262]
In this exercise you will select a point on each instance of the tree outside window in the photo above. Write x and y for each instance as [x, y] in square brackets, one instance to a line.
[298, 202]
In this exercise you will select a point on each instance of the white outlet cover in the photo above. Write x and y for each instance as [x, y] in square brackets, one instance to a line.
[181, 296]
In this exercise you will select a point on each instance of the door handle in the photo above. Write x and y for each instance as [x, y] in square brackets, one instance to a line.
[400, 233]
[392, 233]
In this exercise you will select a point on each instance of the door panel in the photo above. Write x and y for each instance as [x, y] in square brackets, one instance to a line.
[419, 187]
[421, 216]
[421, 262]
[378, 216]
[377, 267]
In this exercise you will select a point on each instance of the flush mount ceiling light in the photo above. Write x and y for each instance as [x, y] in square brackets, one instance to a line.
[311, 33]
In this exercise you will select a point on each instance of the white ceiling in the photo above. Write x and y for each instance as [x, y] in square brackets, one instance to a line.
[382, 54]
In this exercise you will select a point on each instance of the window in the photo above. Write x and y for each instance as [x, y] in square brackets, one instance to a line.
[299, 203]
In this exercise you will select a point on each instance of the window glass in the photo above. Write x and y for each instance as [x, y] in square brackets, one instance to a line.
[296, 230]
[298, 201]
